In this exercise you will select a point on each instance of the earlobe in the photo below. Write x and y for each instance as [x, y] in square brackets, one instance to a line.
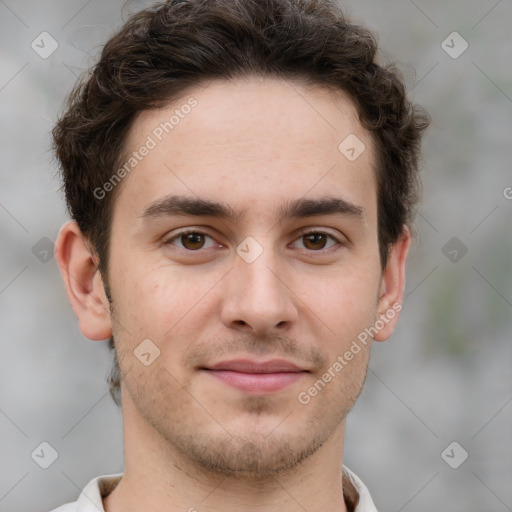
[393, 285]
[83, 282]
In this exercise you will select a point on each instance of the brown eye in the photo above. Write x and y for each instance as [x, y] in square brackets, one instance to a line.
[317, 241]
[192, 240]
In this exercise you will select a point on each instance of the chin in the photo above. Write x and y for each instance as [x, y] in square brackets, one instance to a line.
[252, 456]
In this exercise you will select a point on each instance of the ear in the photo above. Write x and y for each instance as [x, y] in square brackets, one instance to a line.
[83, 282]
[393, 285]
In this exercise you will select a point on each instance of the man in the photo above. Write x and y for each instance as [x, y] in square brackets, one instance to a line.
[241, 178]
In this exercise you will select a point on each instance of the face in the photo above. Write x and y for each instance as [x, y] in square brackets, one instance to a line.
[244, 252]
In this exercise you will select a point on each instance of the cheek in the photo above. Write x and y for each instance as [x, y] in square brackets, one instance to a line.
[154, 300]
[345, 300]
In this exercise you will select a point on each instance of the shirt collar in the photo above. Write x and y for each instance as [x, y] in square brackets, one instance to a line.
[356, 493]
[90, 500]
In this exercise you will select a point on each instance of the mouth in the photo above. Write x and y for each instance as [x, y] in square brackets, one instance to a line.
[256, 377]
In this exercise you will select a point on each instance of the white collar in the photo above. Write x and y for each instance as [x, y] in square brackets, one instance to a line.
[90, 500]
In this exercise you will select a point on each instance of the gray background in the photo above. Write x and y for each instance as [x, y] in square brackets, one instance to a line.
[444, 376]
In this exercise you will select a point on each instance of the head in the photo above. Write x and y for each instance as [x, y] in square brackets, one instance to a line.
[249, 114]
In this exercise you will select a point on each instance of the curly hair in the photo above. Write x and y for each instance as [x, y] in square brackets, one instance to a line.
[162, 51]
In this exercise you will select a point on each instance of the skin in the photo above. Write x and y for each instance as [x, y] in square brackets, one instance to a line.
[191, 440]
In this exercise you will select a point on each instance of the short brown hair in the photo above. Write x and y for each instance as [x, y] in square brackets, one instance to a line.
[162, 51]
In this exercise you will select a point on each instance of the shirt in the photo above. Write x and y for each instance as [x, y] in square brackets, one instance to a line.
[356, 494]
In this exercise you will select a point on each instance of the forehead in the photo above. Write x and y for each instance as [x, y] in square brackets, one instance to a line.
[251, 141]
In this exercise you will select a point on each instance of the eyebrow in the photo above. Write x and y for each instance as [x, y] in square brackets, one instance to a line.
[175, 205]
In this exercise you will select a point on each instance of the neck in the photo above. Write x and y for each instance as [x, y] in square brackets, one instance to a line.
[158, 478]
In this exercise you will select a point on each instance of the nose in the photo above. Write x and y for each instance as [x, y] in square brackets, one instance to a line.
[257, 299]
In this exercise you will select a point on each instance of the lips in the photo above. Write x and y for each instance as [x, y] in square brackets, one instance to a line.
[256, 377]
[248, 366]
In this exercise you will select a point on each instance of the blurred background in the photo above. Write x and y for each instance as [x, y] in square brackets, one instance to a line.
[432, 428]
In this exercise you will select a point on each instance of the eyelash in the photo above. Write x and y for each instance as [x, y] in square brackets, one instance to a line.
[301, 235]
